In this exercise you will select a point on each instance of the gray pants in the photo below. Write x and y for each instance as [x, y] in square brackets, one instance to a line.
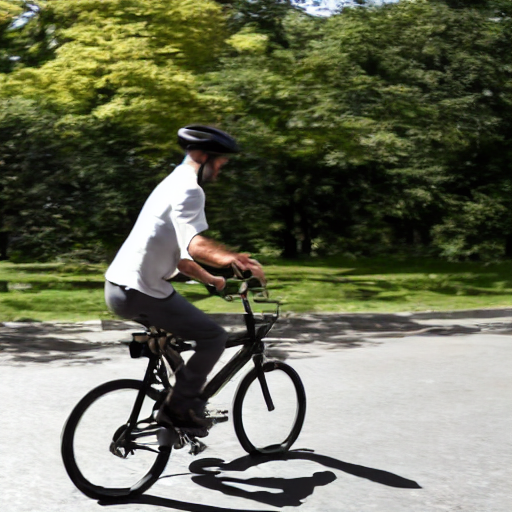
[176, 315]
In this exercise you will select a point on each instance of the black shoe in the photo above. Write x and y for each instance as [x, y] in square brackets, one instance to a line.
[186, 420]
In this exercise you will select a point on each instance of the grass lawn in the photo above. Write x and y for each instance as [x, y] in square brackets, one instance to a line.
[41, 292]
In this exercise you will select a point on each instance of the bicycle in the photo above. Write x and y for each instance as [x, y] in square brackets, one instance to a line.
[111, 444]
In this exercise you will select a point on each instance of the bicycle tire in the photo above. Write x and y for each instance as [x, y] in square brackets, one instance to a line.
[254, 424]
[84, 472]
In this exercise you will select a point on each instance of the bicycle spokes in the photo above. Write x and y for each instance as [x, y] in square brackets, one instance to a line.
[108, 451]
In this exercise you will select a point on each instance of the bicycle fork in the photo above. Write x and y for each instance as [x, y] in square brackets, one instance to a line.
[258, 361]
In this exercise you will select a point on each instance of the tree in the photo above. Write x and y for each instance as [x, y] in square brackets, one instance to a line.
[380, 127]
[67, 187]
[131, 62]
[380, 121]
[86, 127]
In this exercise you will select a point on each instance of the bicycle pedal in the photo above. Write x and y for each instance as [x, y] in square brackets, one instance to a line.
[185, 438]
[196, 447]
[190, 433]
[218, 416]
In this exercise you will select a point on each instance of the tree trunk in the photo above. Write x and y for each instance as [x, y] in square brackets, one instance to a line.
[288, 238]
[4, 243]
[305, 228]
[508, 246]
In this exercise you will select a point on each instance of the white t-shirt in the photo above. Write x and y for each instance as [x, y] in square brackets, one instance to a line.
[172, 215]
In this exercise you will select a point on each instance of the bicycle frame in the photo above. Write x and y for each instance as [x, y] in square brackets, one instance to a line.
[252, 348]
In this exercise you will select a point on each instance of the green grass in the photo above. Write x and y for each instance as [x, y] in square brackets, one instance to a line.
[42, 292]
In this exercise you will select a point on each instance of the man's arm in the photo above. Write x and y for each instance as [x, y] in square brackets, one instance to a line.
[214, 254]
[210, 252]
[192, 269]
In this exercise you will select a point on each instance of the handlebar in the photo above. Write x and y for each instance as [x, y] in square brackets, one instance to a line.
[238, 284]
[231, 272]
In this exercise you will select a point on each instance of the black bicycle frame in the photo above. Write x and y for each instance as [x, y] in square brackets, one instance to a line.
[153, 361]
[252, 349]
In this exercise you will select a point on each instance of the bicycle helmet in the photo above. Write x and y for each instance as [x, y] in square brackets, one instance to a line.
[207, 139]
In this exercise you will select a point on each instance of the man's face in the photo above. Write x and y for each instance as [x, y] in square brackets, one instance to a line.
[213, 167]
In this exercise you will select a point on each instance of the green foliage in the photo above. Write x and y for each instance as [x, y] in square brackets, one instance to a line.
[129, 62]
[66, 184]
[379, 126]
[379, 129]
[24, 35]
[85, 127]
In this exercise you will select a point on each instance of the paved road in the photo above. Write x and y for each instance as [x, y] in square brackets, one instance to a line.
[405, 413]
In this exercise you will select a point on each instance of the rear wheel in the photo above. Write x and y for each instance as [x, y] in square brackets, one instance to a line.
[259, 429]
[109, 443]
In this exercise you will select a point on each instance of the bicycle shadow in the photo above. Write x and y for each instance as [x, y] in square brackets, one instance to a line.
[209, 474]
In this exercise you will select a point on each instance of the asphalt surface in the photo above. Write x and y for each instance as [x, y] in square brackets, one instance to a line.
[405, 413]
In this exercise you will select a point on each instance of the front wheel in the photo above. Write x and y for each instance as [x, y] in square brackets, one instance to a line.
[109, 443]
[259, 429]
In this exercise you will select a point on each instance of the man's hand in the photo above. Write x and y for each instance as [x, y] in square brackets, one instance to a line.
[219, 283]
[244, 262]
[212, 253]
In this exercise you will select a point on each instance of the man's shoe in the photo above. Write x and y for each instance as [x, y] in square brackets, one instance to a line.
[186, 420]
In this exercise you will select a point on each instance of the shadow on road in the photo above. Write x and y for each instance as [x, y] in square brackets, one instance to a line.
[22, 350]
[46, 342]
[286, 492]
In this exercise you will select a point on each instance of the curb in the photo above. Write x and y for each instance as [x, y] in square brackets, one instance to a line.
[237, 318]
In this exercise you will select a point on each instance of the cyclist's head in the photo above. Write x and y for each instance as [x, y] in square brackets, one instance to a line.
[207, 146]
[207, 139]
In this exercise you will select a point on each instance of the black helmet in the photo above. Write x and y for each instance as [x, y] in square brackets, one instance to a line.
[207, 139]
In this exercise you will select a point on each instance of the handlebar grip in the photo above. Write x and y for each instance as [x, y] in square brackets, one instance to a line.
[227, 272]
[211, 289]
[246, 274]
[241, 274]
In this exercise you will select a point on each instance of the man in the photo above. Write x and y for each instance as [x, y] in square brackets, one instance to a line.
[166, 240]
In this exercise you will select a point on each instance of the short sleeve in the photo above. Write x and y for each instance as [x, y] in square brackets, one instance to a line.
[188, 218]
